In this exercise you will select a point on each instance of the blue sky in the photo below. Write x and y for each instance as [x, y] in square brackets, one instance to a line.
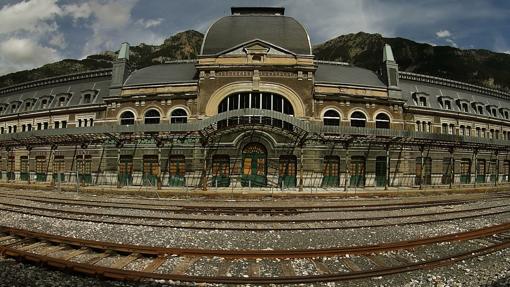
[36, 32]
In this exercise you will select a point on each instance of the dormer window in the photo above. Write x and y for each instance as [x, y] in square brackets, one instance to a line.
[494, 112]
[422, 101]
[27, 105]
[447, 105]
[480, 110]
[465, 107]
[506, 115]
[88, 96]
[44, 104]
[61, 101]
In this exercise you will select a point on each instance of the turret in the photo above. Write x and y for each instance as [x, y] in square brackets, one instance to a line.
[121, 70]
[390, 72]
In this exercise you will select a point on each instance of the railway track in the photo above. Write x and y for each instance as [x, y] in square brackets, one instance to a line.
[255, 223]
[243, 209]
[130, 262]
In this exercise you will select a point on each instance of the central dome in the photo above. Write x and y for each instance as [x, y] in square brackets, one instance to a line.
[262, 24]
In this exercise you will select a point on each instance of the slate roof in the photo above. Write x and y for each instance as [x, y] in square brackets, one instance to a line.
[232, 31]
[163, 74]
[344, 74]
[434, 91]
[74, 88]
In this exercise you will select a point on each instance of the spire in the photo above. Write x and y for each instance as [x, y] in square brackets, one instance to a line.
[390, 72]
[120, 70]
[124, 51]
[388, 54]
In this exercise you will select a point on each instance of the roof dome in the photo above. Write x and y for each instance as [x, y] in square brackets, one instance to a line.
[240, 28]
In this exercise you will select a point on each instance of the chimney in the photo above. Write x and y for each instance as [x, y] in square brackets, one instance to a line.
[390, 72]
[121, 70]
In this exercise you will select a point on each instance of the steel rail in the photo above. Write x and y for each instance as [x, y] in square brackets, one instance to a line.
[114, 273]
[250, 209]
[291, 226]
[227, 218]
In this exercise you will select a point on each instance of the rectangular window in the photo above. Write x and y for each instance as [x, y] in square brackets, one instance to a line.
[40, 164]
[423, 174]
[176, 165]
[58, 164]
[220, 165]
[447, 171]
[480, 171]
[423, 101]
[465, 170]
[448, 105]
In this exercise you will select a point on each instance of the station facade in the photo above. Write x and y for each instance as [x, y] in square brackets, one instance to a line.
[254, 111]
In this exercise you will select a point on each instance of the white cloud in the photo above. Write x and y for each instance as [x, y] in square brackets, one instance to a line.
[452, 43]
[28, 15]
[78, 11]
[22, 53]
[507, 52]
[149, 22]
[111, 19]
[58, 41]
[443, 34]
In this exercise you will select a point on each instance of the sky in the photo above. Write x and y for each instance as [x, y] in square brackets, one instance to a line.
[36, 32]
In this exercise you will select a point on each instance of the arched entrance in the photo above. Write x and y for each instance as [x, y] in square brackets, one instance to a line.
[254, 169]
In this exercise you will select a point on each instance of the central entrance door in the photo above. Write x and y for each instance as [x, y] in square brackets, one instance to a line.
[254, 170]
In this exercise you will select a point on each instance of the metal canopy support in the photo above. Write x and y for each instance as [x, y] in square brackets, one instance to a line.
[301, 168]
[452, 167]
[118, 168]
[474, 161]
[347, 163]
[422, 168]
[387, 181]
[497, 168]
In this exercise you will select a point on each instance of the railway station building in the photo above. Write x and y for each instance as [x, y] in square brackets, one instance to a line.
[254, 111]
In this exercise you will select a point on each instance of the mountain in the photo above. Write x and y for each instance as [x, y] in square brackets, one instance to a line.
[184, 45]
[480, 67]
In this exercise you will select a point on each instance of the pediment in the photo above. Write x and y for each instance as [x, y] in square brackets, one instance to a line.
[256, 47]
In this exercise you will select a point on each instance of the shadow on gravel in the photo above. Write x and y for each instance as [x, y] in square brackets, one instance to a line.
[17, 274]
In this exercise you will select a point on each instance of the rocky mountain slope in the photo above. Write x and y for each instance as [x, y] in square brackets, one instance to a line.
[480, 67]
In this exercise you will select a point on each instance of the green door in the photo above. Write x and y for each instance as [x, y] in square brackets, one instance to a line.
[480, 171]
[494, 170]
[125, 176]
[176, 170]
[220, 171]
[331, 177]
[380, 171]
[287, 171]
[357, 171]
[150, 170]
[254, 165]
[40, 168]
[465, 171]
[84, 168]
[24, 173]
[10, 168]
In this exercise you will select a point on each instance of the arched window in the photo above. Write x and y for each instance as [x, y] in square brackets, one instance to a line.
[331, 118]
[246, 100]
[179, 116]
[152, 117]
[358, 119]
[382, 121]
[127, 118]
